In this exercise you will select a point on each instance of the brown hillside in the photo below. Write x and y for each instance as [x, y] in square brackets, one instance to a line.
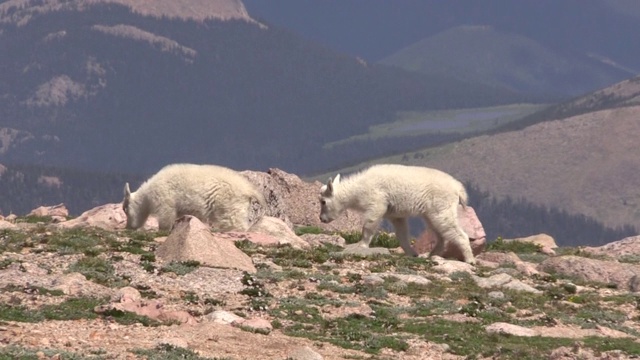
[587, 164]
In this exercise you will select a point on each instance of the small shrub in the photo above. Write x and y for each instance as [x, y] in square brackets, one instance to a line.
[180, 267]
[12, 241]
[190, 297]
[257, 293]
[170, 352]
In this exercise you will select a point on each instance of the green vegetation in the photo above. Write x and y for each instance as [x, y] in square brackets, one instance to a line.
[170, 352]
[13, 352]
[70, 309]
[98, 270]
[308, 230]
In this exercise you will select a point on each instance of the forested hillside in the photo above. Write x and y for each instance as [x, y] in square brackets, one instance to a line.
[512, 218]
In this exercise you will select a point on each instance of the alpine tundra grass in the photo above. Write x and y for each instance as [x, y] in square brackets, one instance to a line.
[351, 301]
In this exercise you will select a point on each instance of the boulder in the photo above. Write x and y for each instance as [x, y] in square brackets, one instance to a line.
[56, 210]
[624, 276]
[108, 217]
[190, 239]
[469, 222]
[5, 225]
[273, 194]
[546, 242]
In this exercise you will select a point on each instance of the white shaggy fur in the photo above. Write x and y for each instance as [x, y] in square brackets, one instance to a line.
[397, 192]
[216, 195]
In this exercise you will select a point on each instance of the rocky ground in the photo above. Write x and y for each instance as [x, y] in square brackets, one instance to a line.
[84, 288]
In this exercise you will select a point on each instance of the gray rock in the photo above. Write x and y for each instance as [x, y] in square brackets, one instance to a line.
[279, 229]
[510, 329]
[357, 249]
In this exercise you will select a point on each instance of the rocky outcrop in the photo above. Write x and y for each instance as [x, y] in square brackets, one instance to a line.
[297, 202]
[626, 247]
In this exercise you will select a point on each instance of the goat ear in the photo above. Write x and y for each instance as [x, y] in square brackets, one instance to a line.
[328, 189]
[337, 179]
[127, 191]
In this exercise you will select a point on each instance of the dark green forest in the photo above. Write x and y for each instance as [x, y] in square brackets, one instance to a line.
[510, 218]
[21, 191]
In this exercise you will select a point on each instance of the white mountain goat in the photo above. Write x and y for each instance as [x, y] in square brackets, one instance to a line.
[395, 193]
[214, 194]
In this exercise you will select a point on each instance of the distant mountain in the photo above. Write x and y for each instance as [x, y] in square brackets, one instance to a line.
[481, 54]
[595, 34]
[129, 86]
[586, 163]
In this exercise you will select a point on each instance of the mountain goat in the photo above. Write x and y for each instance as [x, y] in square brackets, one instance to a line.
[214, 194]
[395, 193]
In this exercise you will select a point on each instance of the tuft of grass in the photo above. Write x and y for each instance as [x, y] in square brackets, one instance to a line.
[308, 230]
[33, 219]
[518, 247]
[146, 292]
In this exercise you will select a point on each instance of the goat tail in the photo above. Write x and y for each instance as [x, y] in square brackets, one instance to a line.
[463, 197]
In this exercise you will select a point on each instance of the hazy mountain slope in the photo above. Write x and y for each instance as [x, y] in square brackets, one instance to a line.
[581, 32]
[583, 164]
[374, 29]
[587, 164]
[97, 86]
[483, 54]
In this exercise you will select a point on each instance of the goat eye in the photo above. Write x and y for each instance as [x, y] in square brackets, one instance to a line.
[323, 202]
